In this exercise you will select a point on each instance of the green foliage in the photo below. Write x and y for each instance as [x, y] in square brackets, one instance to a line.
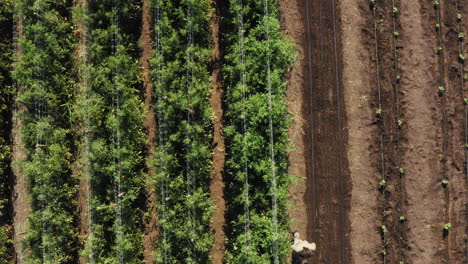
[110, 106]
[6, 46]
[46, 90]
[183, 157]
[256, 150]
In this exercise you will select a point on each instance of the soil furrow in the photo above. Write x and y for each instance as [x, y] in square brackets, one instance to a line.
[150, 219]
[425, 198]
[217, 181]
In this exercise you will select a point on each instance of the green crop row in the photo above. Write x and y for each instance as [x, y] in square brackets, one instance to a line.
[6, 50]
[45, 89]
[112, 112]
[183, 157]
[251, 238]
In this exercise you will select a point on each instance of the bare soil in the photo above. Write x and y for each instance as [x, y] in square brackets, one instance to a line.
[319, 130]
[21, 203]
[150, 222]
[217, 182]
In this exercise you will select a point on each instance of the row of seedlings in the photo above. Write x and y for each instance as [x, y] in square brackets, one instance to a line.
[183, 155]
[6, 99]
[45, 88]
[257, 57]
[463, 78]
[441, 90]
[458, 5]
[399, 127]
[111, 110]
[383, 184]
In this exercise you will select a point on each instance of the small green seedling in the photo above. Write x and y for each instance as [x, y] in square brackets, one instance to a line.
[465, 77]
[437, 26]
[402, 218]
[436, 4]
[395, 11]
[401, 262]
[384, 228]
[465, 100]
[439, 49]
[382, 183]
[445, 182]
[459, 17]
[461, 35]
[372, 4]
[396, 34]
[402, 171]
[461, 57]
[447, 226]
[384, 252]
[441, 90]
[398, 77]
[378, 112]
[400, 122]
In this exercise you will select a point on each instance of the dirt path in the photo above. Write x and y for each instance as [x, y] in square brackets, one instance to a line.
[364, 216]
[150, 221]
[217, 183]
[21, 203]
[315, 98]
[425, 198]
[293, 26]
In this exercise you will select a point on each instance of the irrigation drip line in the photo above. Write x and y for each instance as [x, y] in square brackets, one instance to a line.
[240, 19]
[40, 112]
[382, 153]
[399, 171]
[272, 140]
[465, 121]
[444, 110]
[116, 133]
[162, 133]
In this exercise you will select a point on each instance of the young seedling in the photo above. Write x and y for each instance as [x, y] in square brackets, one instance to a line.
[445, 182]
[402, 171]
[395, 11]
[378, 112]
[461, 35]
[441, 90]
[465, 77]
[461, 57]
[447, 226]
[372, 4]
[439, 49]
[459, 17]
[396, 34]
[402, 218]
[437, 26]
[401, 262]
[436, 4]
[384, 252]
[465, 100]
[400, 123]
[384, 228]
[398, 77]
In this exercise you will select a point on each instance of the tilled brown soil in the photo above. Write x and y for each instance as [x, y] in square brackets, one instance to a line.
[217, 183]
[349, 229]
[150, 219]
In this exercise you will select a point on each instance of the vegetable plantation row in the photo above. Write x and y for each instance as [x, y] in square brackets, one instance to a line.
[82, 119]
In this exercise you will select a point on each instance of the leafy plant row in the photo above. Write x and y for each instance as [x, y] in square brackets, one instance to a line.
[6, 92]
[45, 89]
[111, 111]
[253, 237]
[181, 78]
